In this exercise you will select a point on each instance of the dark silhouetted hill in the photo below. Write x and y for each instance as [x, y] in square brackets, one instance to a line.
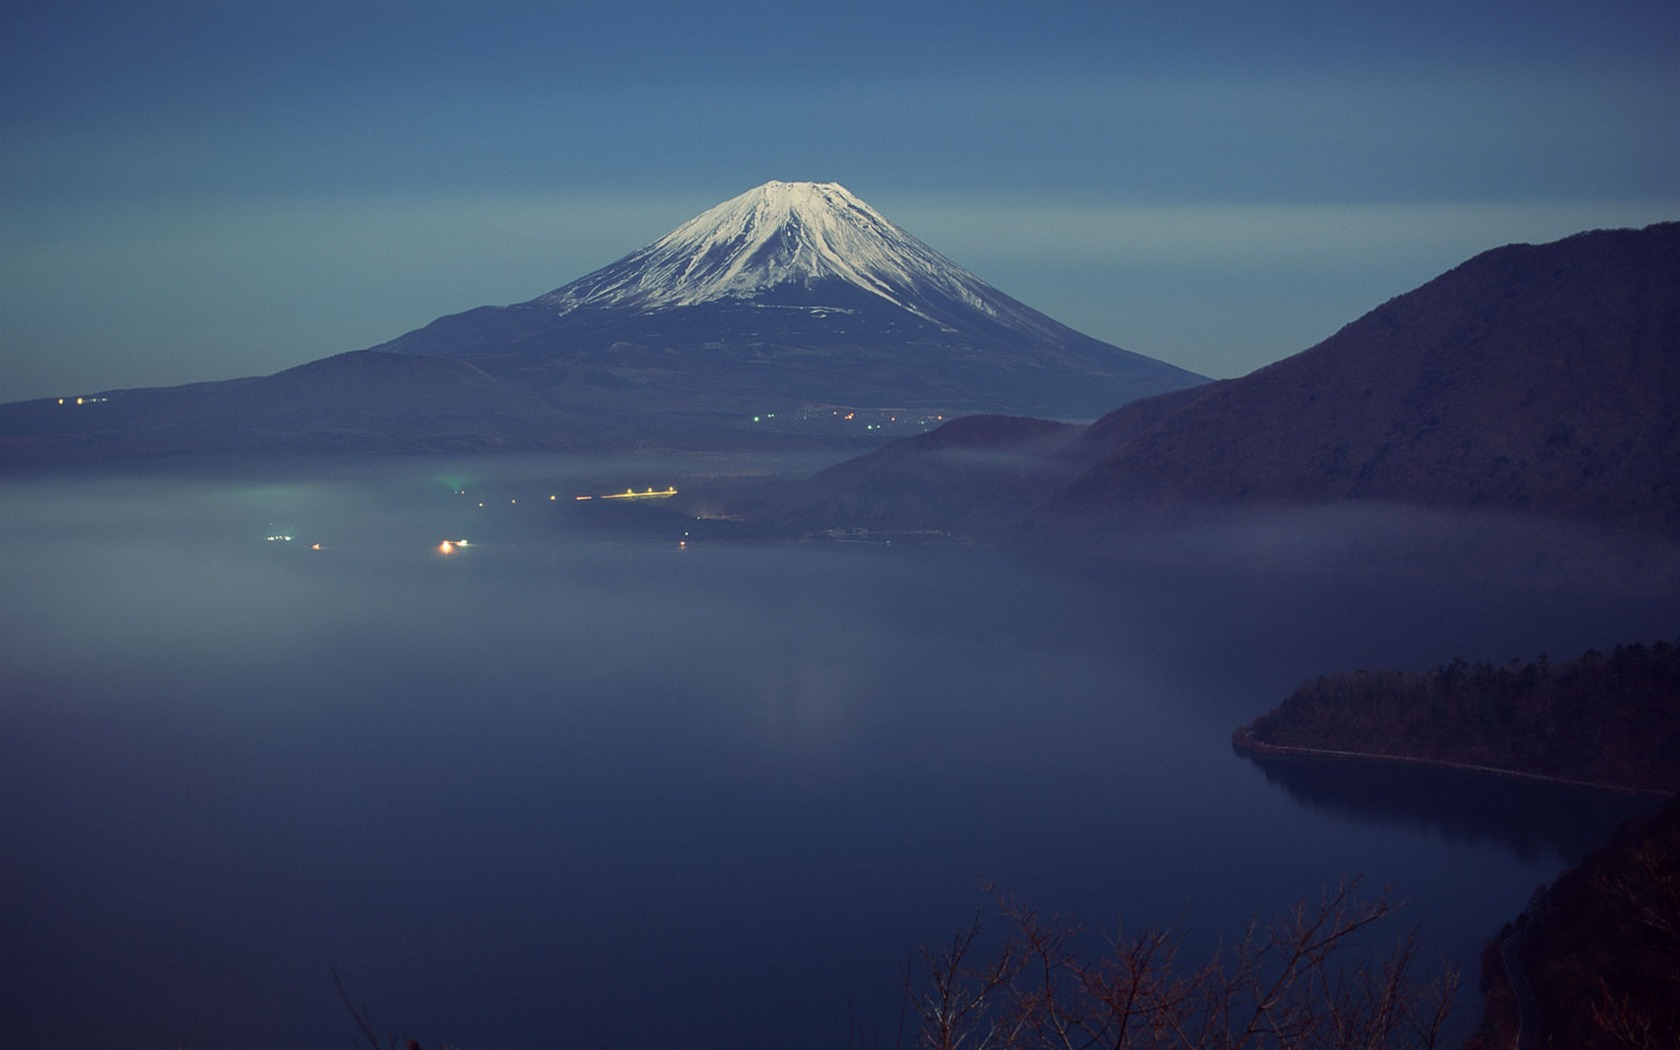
[1519, 415]
[1538, 379]
[1597, 955]
[1611, 720]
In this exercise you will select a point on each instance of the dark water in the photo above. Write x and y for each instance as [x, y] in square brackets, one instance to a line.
[574, 787]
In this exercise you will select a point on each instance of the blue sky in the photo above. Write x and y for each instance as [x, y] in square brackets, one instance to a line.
[201, 190]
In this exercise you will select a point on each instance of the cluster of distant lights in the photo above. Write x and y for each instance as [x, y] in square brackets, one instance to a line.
[651, 493]
[447, 546]
[647, 493]
[81, 400]
[851, 416]
[452, 546]
[281, 537]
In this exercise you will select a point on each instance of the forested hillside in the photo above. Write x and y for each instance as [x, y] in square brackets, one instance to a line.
[1606, 719]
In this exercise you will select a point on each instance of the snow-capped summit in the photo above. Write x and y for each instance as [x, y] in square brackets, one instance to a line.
[774, 236]
[791, 294]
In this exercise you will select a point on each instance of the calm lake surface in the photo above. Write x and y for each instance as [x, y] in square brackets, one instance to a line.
[577, 785]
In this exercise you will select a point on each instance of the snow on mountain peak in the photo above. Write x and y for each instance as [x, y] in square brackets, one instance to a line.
[777, 234]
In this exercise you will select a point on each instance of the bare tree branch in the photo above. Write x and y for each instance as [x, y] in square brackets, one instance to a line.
[1306, 981]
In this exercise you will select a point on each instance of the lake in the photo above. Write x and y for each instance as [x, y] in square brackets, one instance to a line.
[587, 781]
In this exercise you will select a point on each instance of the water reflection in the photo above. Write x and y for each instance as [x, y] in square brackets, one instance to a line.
[1535, 820]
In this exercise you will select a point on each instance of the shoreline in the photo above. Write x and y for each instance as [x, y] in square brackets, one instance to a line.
[1243, 741]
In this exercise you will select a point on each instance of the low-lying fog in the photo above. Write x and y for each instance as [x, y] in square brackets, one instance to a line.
[587, 780]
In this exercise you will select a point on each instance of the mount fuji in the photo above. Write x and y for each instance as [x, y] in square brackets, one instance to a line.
[791, 295]
[794, 311]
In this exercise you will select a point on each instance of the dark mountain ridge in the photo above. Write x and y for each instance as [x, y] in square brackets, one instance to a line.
[1531, 383]
[1533, 378]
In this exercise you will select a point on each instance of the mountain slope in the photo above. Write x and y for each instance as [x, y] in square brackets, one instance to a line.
[763, 320]
[359, 401]
[789, 294]
[1542, 379]
[1535, 387]
[784, 236]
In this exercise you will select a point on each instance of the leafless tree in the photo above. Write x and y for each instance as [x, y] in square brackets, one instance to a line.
[1644, 896]
[1301, 982]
